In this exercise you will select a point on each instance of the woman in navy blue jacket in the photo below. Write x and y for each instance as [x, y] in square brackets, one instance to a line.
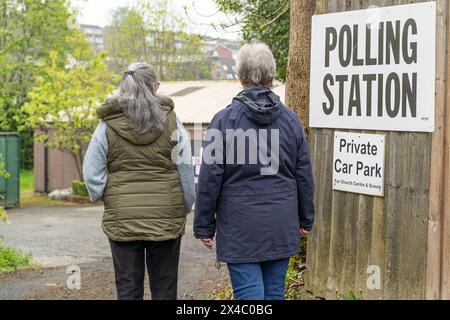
[255, 191]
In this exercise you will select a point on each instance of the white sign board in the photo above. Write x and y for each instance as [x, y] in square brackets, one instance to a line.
[358, 163]
[374, 69]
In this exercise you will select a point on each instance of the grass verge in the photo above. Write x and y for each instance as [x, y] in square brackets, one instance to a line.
[26, 181]
[29, 199]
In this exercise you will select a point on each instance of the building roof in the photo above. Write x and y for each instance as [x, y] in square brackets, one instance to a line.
[199, 101]
[223, 52]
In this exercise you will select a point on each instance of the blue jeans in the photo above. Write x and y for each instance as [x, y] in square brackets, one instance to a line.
[259, 281]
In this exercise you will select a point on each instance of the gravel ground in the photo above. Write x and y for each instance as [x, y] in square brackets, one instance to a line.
[59, 236]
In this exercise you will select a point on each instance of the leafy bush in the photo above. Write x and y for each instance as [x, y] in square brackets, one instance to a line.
[26, 149]
[5, 175]
[79, 188]
[13, 259]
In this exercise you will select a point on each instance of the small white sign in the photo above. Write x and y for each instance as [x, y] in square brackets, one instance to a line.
[374, 69]
[358, 163]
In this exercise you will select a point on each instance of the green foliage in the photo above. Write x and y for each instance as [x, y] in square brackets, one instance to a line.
[4, 175]
[266, 21]
[150, 31]
[354, 296]
[294, 278]
[62, 103]
[351, 296]
[13, 259]
[29, 29]
[26, 149]
[79, 188]
[296, 272]
[3, 215]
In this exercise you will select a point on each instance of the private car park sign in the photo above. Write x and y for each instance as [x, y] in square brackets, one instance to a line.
[358, 164]
[374, 69]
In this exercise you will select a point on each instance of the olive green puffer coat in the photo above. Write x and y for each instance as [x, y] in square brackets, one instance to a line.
[143, 197]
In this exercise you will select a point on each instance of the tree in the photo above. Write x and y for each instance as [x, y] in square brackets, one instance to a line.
[151, 32]
[298, 70]
[125, 39]
[29, 29]
[263, 20]
[63, 101]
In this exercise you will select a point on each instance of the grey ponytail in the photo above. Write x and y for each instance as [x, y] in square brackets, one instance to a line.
[138, 103]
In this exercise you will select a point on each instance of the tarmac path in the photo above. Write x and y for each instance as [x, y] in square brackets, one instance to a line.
[60, 236]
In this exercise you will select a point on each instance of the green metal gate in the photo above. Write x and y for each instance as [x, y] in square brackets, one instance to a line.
[10, 156]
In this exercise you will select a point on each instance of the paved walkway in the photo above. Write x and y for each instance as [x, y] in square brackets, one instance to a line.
[71, 235]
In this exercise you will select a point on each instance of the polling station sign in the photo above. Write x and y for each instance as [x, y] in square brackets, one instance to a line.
[358, 163]
[374, 69]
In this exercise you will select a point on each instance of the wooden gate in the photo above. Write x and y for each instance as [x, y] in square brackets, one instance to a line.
[406, 233]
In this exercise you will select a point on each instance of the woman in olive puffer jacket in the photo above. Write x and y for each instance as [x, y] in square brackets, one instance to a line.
[146, 194]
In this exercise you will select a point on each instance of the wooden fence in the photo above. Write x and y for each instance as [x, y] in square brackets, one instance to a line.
[406, 233]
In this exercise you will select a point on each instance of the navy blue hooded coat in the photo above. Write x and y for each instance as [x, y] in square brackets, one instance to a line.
[256, 217]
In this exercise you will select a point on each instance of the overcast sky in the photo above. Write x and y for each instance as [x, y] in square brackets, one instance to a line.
[201, 14]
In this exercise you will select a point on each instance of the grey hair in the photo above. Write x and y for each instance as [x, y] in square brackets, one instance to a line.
[256, 65]
[137, 101]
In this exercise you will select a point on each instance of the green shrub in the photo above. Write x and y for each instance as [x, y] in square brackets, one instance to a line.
[79, 188]
[4, 175]
[13, 259]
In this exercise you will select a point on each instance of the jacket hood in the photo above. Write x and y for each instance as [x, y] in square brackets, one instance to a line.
[111, 113]
[261, 105]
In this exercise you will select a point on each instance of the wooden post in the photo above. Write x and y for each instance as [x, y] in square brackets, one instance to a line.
[445, 271]
[434, 253]
[297, 77]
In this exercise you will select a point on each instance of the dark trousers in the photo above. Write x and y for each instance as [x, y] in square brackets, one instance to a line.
[162, 260]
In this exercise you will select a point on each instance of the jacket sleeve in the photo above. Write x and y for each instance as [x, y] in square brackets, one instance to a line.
[305, 181]
[209, 187]
[184, 167]
[94, 164]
